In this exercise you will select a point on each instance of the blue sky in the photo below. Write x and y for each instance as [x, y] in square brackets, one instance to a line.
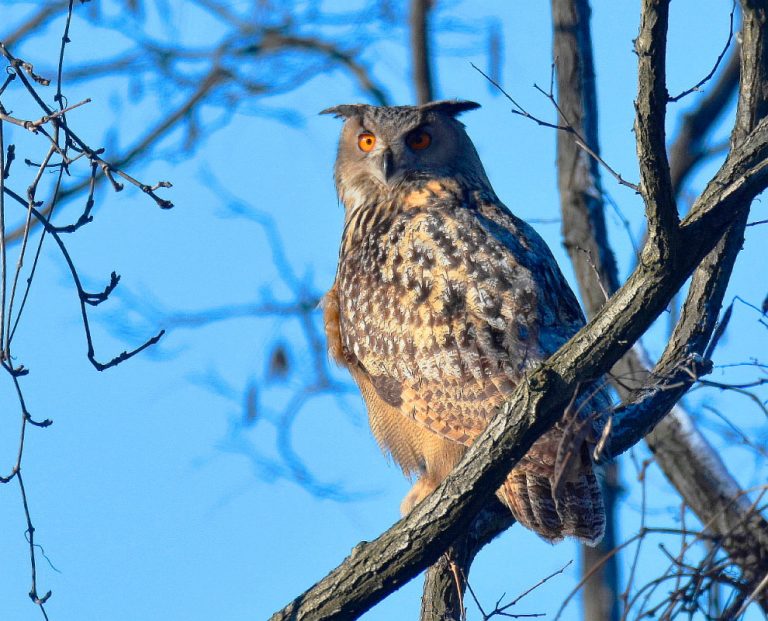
[142, 492]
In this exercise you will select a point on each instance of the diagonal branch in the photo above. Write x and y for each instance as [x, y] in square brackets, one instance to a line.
[682, 361]
[150, 139]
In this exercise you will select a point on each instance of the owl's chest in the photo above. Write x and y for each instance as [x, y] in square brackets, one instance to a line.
[393, 268]
[429, 259]
[370, 289]
[407, 285]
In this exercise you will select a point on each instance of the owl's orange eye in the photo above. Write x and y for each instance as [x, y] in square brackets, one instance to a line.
[366, 141]
[418, 140]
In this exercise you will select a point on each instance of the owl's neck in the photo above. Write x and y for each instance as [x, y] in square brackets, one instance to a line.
[362, 213]
[368, 204]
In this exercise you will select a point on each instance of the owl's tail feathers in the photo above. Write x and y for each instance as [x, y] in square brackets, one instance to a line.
[575, 511]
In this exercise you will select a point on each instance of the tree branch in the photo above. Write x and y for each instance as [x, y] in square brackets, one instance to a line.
[48, 12]
[681, 363]
[753, 92]
[224, 67]
[446, 580]
[651, 105]
[585, 229]
[420, 50]
[689, 149]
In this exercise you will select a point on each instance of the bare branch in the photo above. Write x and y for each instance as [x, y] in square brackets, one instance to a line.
[33, 126]
[652, 96]
[566, 127]
[443, 596]
[682, 362]
[225, 70]
[346, 59]
[708, 77]
[689, 148]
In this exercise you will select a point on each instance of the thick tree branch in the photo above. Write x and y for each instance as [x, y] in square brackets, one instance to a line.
[445, 581]
[753, 92]
[682, 363]
[721, 506]
[651, 105]
[596, 273]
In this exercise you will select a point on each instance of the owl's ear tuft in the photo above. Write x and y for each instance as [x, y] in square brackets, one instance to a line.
[345, 111]
[452, 107]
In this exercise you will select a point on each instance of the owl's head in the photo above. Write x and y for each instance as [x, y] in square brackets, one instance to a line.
[384, 147]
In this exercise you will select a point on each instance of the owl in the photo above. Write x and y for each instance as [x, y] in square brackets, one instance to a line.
[442, 301]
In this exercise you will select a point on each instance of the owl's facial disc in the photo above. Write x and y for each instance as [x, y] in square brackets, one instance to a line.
[391, 157]
[384, 165]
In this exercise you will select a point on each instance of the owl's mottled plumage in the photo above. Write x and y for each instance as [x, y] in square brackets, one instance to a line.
[443, 299]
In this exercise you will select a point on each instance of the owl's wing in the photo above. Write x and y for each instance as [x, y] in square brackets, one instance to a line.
[448, 308]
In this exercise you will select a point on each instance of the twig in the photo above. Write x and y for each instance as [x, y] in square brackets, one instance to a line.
[34, 126]
[754, 595]
[719, 331]
[3, 251]
[519, 110]
[60, 140]
[708, 77]
[501, 610]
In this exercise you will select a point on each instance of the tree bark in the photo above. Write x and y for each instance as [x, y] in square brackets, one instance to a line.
[445, 582]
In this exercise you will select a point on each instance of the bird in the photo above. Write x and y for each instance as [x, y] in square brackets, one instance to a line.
[442, 301]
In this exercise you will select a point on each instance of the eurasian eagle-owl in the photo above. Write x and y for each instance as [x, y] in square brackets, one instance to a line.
[443, 299]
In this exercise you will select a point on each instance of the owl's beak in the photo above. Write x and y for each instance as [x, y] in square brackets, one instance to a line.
[387, 165]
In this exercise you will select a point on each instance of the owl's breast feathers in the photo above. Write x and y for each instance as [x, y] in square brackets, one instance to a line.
[444, 300]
